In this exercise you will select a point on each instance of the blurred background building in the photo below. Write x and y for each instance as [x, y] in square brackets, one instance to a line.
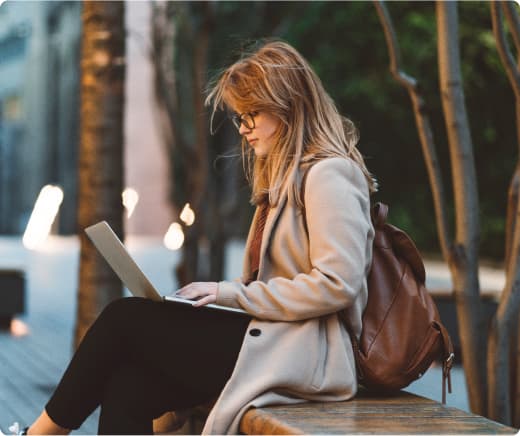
[39, 115]
[39, 96]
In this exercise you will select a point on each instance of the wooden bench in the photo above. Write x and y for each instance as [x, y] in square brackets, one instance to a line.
[402, 413]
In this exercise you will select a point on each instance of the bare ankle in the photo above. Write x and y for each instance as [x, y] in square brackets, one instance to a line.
[45, 425]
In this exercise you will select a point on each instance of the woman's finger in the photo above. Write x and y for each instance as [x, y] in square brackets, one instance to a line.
[192, 293]
[188, 289]
[206, 300]
[197, 289]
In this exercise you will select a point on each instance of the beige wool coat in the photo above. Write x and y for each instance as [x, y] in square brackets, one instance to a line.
[297, 347]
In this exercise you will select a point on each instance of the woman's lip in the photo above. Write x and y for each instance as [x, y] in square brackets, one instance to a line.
[252, 140]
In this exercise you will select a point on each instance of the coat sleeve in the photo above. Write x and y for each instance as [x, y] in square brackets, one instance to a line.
[337, 209]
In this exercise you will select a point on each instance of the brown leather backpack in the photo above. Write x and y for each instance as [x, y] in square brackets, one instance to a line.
[401, 331]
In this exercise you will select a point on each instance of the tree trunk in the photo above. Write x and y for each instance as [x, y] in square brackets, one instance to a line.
[499, 405]
[513, 73]
[463, 262]
[512, 202]
[499, 352]
[183, 33]
[503, 401]
[101, 151]
[191, 139]
[513, 360]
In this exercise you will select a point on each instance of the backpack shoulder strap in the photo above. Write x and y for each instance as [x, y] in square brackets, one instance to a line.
[379, 214]
[302, 194]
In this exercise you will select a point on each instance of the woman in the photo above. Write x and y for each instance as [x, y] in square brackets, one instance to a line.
[307, 257]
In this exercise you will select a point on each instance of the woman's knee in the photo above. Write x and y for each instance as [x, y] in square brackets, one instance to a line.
[122, 308]
[116, 316]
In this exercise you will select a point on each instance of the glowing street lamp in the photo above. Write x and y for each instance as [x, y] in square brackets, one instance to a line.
[130, 200]
[43, 215]
[187, 215]
[174, 237]
[19, 328]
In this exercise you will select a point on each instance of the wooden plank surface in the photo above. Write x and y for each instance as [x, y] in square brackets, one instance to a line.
[30, 368]
[403, 413]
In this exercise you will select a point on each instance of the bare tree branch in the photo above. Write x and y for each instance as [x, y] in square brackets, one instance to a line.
[423, 126]
[161, 56]
[513, 74]
[393, 46]
[464, 260]
[200, 62]
[503, 48]
[513, 21]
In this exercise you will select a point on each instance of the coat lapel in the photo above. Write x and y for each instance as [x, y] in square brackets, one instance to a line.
[246, 265]
[270, 223]
[272, 217]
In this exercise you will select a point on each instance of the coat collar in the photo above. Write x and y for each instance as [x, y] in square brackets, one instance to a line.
[272, 217]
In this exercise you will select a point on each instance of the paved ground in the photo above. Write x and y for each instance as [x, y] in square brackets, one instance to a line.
[31, 364]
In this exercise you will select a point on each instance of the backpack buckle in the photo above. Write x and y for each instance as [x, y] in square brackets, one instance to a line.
[446, 375]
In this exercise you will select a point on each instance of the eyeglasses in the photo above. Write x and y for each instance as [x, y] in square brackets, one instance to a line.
[246, 118]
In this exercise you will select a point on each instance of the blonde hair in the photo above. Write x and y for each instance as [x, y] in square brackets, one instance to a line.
[276, 79]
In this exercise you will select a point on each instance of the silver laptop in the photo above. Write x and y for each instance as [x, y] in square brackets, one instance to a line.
[117, 256]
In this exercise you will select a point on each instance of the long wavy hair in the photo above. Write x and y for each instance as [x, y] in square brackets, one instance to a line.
[275, 78]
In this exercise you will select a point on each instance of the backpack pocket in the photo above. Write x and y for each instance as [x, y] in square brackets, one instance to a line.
[426, 353]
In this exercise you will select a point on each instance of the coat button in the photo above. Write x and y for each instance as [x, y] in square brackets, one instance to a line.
[255, 332]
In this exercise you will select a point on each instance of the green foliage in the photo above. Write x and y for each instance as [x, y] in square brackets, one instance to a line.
[344, 42]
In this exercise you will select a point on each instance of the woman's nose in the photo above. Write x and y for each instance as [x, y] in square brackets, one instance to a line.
[242, 130]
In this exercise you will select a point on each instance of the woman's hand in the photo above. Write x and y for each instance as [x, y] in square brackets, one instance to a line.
[206, 292]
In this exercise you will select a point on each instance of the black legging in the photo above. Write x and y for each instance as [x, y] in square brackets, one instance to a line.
[142, 358]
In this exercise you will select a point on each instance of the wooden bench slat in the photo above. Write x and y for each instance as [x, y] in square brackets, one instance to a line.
[261, 421]
[403, 413]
